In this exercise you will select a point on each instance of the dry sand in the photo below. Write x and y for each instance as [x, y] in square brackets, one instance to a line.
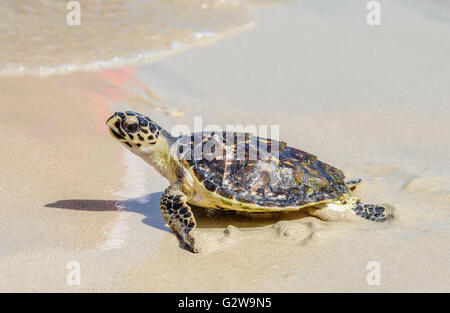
[372, 101]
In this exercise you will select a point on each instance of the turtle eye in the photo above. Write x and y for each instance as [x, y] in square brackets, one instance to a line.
[131, 125]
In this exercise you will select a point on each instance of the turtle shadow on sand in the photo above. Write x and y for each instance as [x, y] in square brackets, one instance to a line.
[148, 206]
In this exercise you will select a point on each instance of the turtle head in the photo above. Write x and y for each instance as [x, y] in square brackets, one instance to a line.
[137, 132]
[145, 138]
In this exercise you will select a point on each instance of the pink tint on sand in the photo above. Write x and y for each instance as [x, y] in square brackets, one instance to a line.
[111, 86]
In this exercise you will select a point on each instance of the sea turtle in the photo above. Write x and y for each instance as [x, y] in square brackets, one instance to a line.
[237, 171]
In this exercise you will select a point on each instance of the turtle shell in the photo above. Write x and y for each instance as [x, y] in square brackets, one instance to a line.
[261, 171]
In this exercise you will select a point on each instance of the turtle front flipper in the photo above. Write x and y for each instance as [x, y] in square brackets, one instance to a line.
[178, 215]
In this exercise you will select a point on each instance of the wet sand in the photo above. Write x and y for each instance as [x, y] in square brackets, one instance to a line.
[359, 98]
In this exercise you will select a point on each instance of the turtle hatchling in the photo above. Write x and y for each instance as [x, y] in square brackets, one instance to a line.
[239, 172]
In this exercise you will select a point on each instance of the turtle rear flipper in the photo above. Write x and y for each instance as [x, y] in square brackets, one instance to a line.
[351, 209]
[372, 212]
[351, 184]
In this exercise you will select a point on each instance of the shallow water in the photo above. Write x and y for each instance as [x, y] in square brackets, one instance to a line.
[36, 38]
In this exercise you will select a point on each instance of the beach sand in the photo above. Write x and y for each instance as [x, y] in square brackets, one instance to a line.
[372, 101]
